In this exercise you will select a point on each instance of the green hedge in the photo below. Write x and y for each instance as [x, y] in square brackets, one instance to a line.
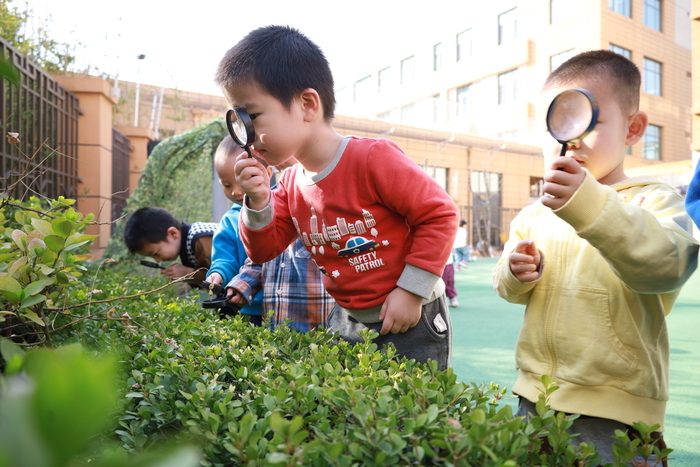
[254, 396]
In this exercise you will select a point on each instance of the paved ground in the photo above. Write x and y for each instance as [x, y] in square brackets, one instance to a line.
[486, 328]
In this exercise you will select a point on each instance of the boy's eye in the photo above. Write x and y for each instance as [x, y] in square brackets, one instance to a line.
[253, 116]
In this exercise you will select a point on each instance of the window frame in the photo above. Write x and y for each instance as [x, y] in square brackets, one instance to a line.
[655, 89]
[504, 26]
[467, 52]
[408, 65]
[651, 142]
[656, 7]
[621, 7]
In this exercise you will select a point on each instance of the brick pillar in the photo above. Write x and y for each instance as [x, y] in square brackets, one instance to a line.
[140, 137]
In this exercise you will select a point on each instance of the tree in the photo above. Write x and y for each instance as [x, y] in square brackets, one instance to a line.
[37, 45]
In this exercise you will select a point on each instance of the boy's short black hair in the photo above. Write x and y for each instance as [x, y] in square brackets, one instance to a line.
[226, 147]
[283, 62]
[148, 225]
[602, 64]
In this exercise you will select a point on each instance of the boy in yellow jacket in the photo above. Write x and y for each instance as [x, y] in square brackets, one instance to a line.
[599, 261]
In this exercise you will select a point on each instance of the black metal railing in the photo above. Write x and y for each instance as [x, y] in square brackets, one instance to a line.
[121, 150]
[44, 115]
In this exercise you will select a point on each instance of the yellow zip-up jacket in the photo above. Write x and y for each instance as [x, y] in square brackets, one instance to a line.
[613, 261]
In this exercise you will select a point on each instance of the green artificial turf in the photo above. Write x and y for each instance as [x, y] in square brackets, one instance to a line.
[486, 328]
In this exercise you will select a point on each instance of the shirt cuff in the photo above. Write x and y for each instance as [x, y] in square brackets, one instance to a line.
[417, 281]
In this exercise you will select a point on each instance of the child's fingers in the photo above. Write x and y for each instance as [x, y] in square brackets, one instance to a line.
[387, 326]
[565, 165]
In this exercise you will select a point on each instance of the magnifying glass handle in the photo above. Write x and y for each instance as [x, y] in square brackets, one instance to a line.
[247, 149]
[564, 147]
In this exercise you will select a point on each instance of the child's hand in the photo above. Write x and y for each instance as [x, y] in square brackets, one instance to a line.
[254, 179]
[525, 261]
[214, 278]
[400, 312]
[234, 296]
[560, 185]
[176, 270]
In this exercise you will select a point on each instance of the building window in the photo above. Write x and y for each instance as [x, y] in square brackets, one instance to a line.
[407, 70]
[652, 14]
[652, 77]
[555, 61]
[507, 26]
[651, 143]
[486, 182]
[389, 116]
[437, 56]
[408, 114]
[559, 10]
[508, 87]
[464, 45]
[439, 174]
[383, 79]
[622, 51]
[464, 100]
[436, 107]
[536, 185]
[362, 89]
[623, 7]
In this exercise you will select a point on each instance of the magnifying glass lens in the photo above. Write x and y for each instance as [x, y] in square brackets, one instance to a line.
[240, 126]
[570, 115]
[241, 136]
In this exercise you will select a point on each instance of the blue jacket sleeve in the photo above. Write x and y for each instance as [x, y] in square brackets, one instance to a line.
[227, 252]
[692, 198]
[228, 255]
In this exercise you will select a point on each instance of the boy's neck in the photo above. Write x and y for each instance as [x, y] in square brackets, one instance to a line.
[320, 150]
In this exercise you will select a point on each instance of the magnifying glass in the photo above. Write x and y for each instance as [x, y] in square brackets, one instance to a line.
[571, 116]
[240, 126]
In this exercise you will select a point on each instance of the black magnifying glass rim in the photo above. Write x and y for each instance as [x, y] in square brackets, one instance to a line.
[240, 113]
[594, 114]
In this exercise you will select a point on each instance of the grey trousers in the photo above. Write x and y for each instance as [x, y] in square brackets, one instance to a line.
[592, 430]
[430, 339]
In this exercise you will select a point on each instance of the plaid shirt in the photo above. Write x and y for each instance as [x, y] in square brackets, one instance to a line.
[292, 289]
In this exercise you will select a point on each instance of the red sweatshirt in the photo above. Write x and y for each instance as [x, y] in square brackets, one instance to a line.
[372, 220]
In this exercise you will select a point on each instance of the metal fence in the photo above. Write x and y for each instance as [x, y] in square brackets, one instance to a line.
[45, 116]
[121, 148]
[500, 225]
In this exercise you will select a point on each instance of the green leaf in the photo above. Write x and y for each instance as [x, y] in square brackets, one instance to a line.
[9, 71]
[34, 317]
[74, 399]
[54, 242]
[13, 355]
[34, 288]
[42, 226]
[62, 227]
[31, 301]
[10, 288]
[14, 267]
[18, 237]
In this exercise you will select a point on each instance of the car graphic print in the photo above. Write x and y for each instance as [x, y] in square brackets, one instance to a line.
[357, 245]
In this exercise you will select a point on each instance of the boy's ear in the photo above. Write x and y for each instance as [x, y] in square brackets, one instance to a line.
[173, 232]
[637, 126]
[311, 104]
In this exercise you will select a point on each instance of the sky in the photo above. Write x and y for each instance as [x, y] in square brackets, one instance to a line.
[183, 41]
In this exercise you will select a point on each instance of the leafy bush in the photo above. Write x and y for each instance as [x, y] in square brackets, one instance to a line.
[54, 403]
[244, 395]
[41, 245]
[255, 396]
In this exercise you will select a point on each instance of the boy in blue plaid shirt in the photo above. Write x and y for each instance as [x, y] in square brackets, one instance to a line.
[292, 288]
